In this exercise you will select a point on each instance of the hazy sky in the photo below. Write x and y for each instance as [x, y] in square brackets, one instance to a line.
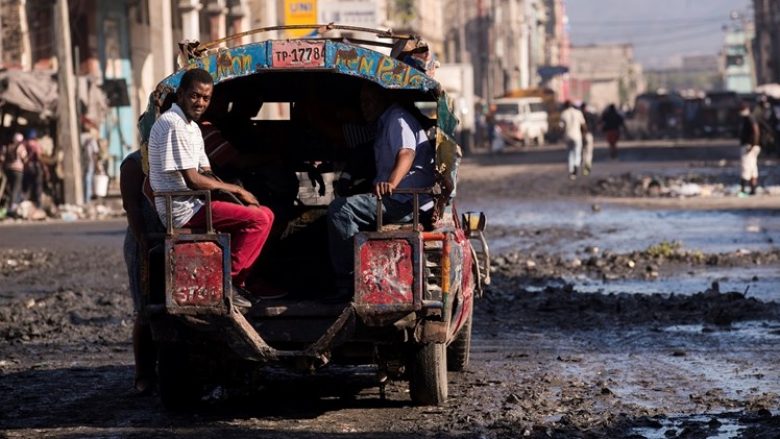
[661, 30]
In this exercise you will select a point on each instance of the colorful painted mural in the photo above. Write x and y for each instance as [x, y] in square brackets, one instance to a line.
[388, 72]
[343, 58]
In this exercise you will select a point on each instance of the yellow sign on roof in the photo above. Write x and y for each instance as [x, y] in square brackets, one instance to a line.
[299, 12]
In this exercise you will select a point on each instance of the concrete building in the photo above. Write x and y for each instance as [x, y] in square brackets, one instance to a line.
[696, 73]
[553, 70]
[738, 71]
[766, 45]
[125, 45]
[505, 41]
[605, 74]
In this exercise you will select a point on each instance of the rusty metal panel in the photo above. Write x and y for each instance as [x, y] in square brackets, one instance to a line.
[197, 273]
[388, 272]
[385, 274]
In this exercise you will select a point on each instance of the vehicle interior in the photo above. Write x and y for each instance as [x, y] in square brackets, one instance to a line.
[291, 165]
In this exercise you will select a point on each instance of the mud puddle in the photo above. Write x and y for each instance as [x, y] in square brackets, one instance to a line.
[518, 225]
[762, 283]
[701, 426]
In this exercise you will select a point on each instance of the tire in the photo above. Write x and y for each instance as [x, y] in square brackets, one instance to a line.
[179, 390]
[428, 375]
[459, 351]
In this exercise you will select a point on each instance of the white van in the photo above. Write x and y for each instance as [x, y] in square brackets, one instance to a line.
[522, 120]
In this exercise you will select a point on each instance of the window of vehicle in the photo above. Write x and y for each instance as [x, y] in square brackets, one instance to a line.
[507, 109]
[537, 106]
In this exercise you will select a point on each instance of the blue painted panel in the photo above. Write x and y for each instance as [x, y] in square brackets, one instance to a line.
[374, 66]
[228, 63]
[342, 58]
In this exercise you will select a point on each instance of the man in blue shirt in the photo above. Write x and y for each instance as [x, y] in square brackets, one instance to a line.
[404, 158]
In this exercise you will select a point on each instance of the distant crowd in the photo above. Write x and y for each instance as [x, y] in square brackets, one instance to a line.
[24, 171]
[32, 173]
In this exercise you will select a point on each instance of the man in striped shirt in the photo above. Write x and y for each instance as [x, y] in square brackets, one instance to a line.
[177, 162]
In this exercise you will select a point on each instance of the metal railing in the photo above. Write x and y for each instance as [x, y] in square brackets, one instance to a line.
[415, 192]
[169, 207]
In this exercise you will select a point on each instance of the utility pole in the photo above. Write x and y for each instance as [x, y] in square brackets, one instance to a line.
[462, 53]
[491, 46]
[67, 126]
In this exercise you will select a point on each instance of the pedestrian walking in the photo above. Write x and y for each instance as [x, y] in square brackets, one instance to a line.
[574, 126]
[14, 158]
[611, 124]
[591, 121]
[749, 138]
[34, 169]
[767, 121]
[90, 154]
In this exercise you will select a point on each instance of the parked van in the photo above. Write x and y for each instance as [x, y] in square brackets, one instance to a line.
[522, 120]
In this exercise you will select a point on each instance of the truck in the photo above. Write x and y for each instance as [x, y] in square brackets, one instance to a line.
[415, 283]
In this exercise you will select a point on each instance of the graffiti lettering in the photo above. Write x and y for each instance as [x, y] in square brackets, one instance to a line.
[229, 65]
[389, 72]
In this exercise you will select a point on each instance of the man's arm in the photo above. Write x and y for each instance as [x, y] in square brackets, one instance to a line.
[198, 181]
[583, 124]
[756, 134]
[403, 163]
[131, 187]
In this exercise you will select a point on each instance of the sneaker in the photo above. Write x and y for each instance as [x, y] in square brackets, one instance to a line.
[572, 176]
[265, 291]
[585, 171]
[241, 301]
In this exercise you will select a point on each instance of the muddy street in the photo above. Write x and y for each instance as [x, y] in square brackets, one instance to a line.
[642, 301]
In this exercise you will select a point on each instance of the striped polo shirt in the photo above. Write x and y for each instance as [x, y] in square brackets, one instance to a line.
[175, 144]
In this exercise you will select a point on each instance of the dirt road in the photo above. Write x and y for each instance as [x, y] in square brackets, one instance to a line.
[610, 315]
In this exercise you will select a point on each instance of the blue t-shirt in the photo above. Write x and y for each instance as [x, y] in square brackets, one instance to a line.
[398, 129]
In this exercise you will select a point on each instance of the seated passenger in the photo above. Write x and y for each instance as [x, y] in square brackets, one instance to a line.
[177, 159]
[404, 158]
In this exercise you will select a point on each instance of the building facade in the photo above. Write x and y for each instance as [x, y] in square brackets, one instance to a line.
[767, 41]
[605, 74]
[738, 71]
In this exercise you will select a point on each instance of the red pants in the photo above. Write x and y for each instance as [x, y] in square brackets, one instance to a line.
[248, 228]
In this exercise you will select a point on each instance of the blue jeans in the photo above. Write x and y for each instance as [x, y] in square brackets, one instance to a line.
[349, 215]
[89, 178]
[14, 187]
[575, 154]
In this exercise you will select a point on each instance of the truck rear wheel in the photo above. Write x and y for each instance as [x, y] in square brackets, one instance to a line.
[178, 388]
[428, 375]
[458, 352]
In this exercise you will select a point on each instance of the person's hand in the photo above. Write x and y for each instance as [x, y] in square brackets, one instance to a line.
[247, 197]
[383, 188]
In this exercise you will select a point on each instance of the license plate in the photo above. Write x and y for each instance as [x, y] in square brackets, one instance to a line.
[297, 54]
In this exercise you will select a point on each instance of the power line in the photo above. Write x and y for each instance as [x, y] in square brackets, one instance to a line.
[645, 31]
[688, 20]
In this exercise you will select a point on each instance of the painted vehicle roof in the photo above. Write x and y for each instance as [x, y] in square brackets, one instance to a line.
[340, 58]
